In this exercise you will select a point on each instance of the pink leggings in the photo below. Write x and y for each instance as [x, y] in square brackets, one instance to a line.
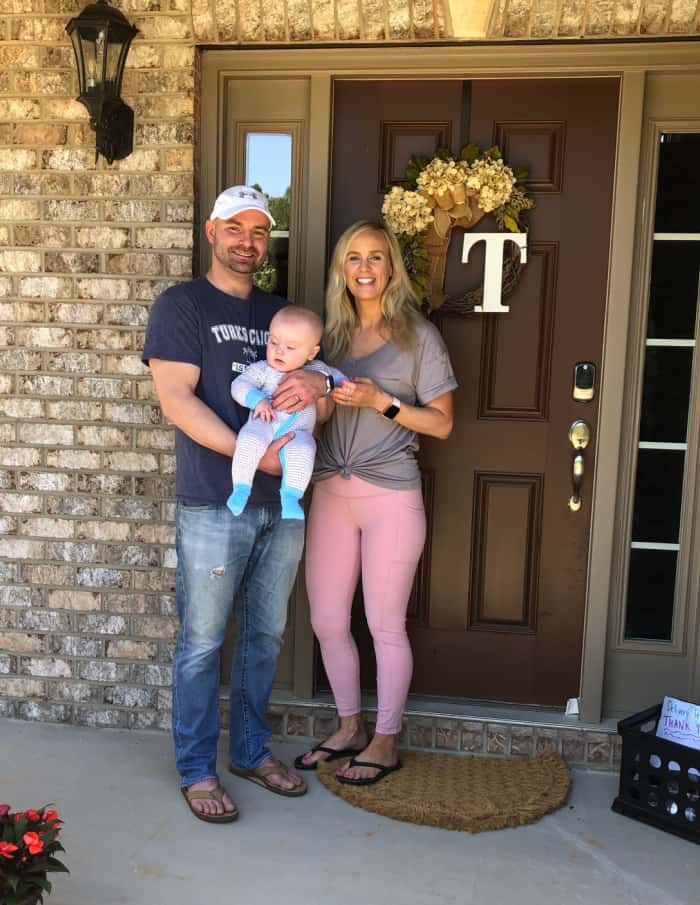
[353, 523]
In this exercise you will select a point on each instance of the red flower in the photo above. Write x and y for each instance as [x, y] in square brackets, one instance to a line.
[7, 850]
[34, 816]
[33, 843]
[4, 810]
[51, 815]
[18, 816]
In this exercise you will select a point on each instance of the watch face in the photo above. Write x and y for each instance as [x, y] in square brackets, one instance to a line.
[391, 412]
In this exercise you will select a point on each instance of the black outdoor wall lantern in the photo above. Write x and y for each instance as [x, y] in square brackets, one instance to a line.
[101, 37]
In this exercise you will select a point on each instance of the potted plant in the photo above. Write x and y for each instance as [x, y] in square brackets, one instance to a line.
[28, 841]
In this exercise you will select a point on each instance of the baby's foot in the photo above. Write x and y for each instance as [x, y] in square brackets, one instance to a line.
[236, 502]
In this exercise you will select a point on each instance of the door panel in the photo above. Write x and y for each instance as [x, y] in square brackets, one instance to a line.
[499, 602]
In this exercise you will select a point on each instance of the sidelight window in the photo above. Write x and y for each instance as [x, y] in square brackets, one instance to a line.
[666, 393]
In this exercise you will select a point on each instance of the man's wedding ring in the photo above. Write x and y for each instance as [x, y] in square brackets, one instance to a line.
[298, 398]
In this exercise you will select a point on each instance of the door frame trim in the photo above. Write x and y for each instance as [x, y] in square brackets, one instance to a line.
[629, 62]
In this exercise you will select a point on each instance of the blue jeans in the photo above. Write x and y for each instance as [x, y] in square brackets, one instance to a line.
[252, 558]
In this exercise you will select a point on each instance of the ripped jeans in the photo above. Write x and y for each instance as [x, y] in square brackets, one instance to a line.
[252, 558]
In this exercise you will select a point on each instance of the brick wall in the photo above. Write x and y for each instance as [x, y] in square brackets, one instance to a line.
[86, 464]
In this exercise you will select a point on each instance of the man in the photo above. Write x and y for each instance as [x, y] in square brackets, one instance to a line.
[200, 335]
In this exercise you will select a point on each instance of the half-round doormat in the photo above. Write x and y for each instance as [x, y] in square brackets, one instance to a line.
[461, 793]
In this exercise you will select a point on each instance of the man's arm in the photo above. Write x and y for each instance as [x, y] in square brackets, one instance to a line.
[175, 384]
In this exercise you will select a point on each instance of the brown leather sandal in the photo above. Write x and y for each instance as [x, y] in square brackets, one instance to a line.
[259, 775]
[216, 794]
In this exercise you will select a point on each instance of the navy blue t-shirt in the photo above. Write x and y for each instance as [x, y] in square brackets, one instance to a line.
[199, 324]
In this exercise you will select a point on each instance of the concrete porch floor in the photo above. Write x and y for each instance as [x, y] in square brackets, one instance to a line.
[130, 839]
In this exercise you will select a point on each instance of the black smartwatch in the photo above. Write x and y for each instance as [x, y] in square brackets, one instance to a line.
[392, 410]
[330, 383]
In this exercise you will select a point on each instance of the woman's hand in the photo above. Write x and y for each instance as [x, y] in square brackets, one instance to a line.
[361, 392]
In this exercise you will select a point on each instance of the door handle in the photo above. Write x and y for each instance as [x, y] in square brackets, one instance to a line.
[579, 437]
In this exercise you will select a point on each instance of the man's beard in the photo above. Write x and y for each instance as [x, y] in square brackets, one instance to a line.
[225, 257]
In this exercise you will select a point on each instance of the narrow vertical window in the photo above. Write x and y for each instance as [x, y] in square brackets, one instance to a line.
[268, 158]
[668, 368]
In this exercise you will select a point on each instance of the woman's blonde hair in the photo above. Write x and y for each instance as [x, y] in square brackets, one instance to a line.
[399, 302]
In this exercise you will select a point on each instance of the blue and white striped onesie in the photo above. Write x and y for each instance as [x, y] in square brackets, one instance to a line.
[259, 381]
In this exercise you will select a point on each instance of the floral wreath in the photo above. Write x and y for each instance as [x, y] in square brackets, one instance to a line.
[439, 193]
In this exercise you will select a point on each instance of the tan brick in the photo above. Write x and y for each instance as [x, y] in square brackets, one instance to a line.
[348, 15]
[18, 109]
[71, 599]
[46, 434]
[42, 184]
[76, 362]
[68, 159]
[47, 527]
[71, 210]
[22, 688]
[62, 109]
[14, 56]
[17, 159]
[102, 288]
[20, 503]
[6, 290]
[45, 287]
[132, 650]
[102, 184]
[19, 210]
[43, 234]
[126, 315]
[141, 264]
[38, 28]
[163, 237]
[13, 457]
[125, 364]
[44, 385]
[67, 410]
[139, 211]
[131, 462]
[104, 388]
[103, 531]
[22, 408]
[144, 56]
[178, 55]
[46, 83]
[102, 237]
[45, 337]
[22, 643]
[69, 313]
[164, 27]
[178, 159]
[50, 134]
[103, 435]
[16, 548]
[155, 439]
[104, 339]
[141, 161]
[13, 261]
[72, 459]
[20, 360]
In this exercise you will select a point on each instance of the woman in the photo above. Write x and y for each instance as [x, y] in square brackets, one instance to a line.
[367, 509]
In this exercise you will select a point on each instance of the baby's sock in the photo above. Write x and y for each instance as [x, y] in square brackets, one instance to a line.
[291, 507]
[236, 502]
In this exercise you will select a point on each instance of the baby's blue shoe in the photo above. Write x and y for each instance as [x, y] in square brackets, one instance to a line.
[236, 502]
[291, 507]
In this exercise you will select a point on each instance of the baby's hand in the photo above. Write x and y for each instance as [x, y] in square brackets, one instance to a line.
[264, 411]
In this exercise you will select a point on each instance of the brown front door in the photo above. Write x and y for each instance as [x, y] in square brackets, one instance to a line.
[499, 602]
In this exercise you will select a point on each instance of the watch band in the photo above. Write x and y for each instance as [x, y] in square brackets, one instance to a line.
[330, 383]
[392, 410]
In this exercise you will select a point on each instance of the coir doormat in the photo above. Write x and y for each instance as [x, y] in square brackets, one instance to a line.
[461, 793]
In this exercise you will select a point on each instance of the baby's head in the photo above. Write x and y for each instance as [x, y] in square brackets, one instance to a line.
[295, 334]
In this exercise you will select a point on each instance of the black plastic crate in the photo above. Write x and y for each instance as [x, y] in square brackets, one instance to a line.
[659, 780]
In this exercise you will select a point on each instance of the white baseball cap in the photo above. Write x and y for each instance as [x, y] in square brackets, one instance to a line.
[237, 199]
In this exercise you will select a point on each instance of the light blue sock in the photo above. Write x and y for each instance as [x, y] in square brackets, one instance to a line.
[236, 502]
[291, 507]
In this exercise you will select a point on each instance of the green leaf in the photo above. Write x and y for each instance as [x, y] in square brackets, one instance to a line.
[469, 153]
[521, 174]
[511, 224]
[12, 880]
[54, 865]
[444, 154]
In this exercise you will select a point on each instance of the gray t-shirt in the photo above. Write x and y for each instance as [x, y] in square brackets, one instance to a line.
[360, 441]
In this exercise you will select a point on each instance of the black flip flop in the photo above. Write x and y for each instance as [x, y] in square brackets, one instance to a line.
[333, 754]
[383, 771]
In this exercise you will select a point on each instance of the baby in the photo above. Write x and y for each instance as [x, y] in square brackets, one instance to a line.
[295, 334]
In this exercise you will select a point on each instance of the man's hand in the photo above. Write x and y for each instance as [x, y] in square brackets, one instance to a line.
[263, 411]
[270, 462]
[298, 390]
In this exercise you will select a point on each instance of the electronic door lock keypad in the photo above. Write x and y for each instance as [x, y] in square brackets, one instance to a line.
[584, 381]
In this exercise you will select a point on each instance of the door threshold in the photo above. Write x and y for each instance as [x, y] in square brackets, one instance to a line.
[461, 727]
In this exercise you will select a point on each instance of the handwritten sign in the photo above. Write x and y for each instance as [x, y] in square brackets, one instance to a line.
[680, 722]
